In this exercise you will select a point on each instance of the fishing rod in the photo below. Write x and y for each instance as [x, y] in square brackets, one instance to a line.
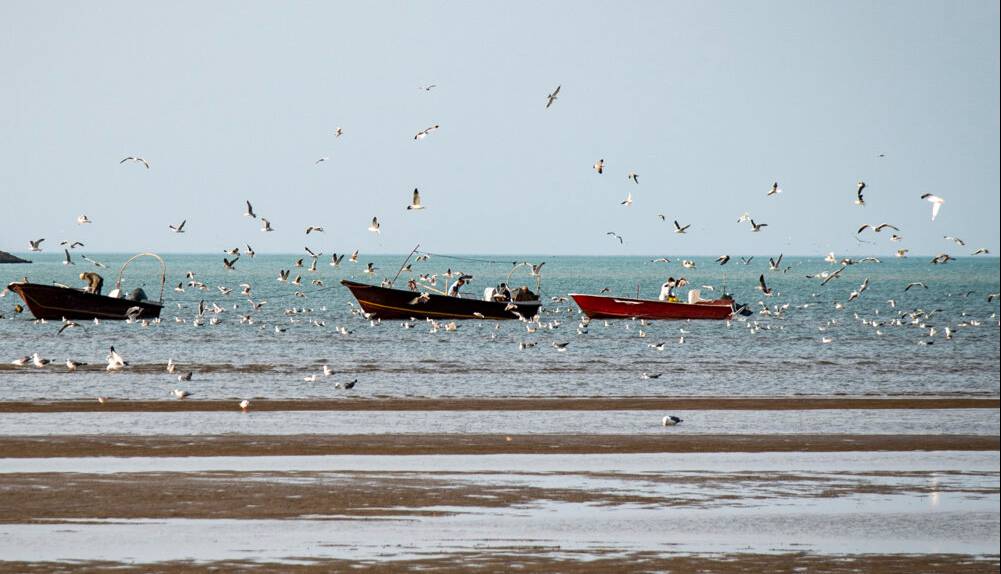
[405, 261]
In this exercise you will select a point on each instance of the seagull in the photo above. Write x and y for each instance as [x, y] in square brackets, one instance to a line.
[599, 166]
[915, 284]
[688, 264]
[374, 226]
[942, 258]
[560, 346]
[957, 240]
[722, 259]
[338, 132]
[762, 287]
[67, 260]
[773, 264]
[428, 87]
[552, 97]
[39, 361]
[313, 228]
[679, 229]
[671, 420]
[895, 237]
[936, 204]
[115, 361]
[746, 260]
[415, 202]
[178, 228]
[756, 227]
[266, 225]
[250, 211]
[179, 394]
[21, 362]
[371, 268]
[354, 257]
[73, 365]
[744, 217]
[902, 253]
[249, 251]
[876, 228]
[982, 251]
[335, 261]
[425, 132]
[628, 201]
[36, 244]
[633, 176]
[858, 192]
[82, 219]
[660, 260]
[775, 190]
[347, 386]
[322, 159]
[135, 159]
[651, 375]
[536, 269]
[67, 325]
[184, 377]
[230, 264]
[244, 405]
[615, 235]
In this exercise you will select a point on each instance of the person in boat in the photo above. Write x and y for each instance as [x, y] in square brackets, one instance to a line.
[453, 291]
[667, 290]
[412, 284]
[94, 282]
[502, 294]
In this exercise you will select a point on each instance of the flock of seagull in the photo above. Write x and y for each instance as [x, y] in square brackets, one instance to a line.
[922, 319]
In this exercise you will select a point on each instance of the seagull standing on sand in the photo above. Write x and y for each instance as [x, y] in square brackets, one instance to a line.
[244, 405]
[552, 97]
[671, 420]
[39, 361]
[115, 361]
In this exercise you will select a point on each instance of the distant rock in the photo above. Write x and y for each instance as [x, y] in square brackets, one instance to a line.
[8, 258]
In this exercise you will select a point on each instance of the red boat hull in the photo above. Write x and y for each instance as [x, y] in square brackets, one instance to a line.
[602, 307]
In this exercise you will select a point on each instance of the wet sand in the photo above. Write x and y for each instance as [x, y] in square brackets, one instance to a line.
[509, 404]
[430, 444]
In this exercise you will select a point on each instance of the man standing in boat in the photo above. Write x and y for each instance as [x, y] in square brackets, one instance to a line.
[94, 282]
[453, 291]
[667, 290]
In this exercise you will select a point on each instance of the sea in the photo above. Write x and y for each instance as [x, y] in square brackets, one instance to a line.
[940, 338]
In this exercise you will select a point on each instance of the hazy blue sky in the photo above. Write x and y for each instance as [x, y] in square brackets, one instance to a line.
[709, 102]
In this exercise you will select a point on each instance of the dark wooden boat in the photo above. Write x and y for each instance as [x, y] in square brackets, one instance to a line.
[390, 303]
[57, 302]
[604, 307]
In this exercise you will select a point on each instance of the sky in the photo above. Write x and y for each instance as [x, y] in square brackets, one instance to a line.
[708, 102]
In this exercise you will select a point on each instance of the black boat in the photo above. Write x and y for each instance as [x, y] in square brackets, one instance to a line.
[56, 302]
[390, 303]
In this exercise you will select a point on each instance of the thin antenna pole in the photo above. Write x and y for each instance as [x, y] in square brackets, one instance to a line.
[405, 264]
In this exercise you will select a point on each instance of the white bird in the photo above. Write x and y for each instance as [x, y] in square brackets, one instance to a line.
[39, 361]
[185, 377]
[244, 404]
[425, 132]
[415, 202]
[552, 97]
[67, 260]
[179, 394]
[957, 240]
[374, 226]
[338, 132]
[266, 225]
[679, 229]
[858, 194]
[135, 159]
[936, 204]
[599, 166]
[671, 420]
[313, 228]
[756, 227]
[629, 200]
[250, 211]
[72, 365]
[82, 219]
[115, 361]
[774, 190]
[633, 176]
[178, 228]
[36, 244]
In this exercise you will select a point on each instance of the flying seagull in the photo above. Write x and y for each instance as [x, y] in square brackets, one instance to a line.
[425, 132]
[679, 229]
[876, 228]
[82, 219]
[36, 244]
[313, 228]
[957, 240]
[250, 211]
[936, 204]
[628, 201]
[415, 202]
[722, 259]
[67, 260]
[178, 228]
[599, 166]
[552, 97]
[858, 193]
[615, 235]
[756, 227]
[375, 225]
[633, 176]
[775, 190]
[266, 225]
[762, 287]
[135, 159]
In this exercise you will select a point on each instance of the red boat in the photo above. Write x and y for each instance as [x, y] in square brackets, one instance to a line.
[605, 307]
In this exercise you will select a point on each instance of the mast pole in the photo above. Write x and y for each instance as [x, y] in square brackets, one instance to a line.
[395, 277]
